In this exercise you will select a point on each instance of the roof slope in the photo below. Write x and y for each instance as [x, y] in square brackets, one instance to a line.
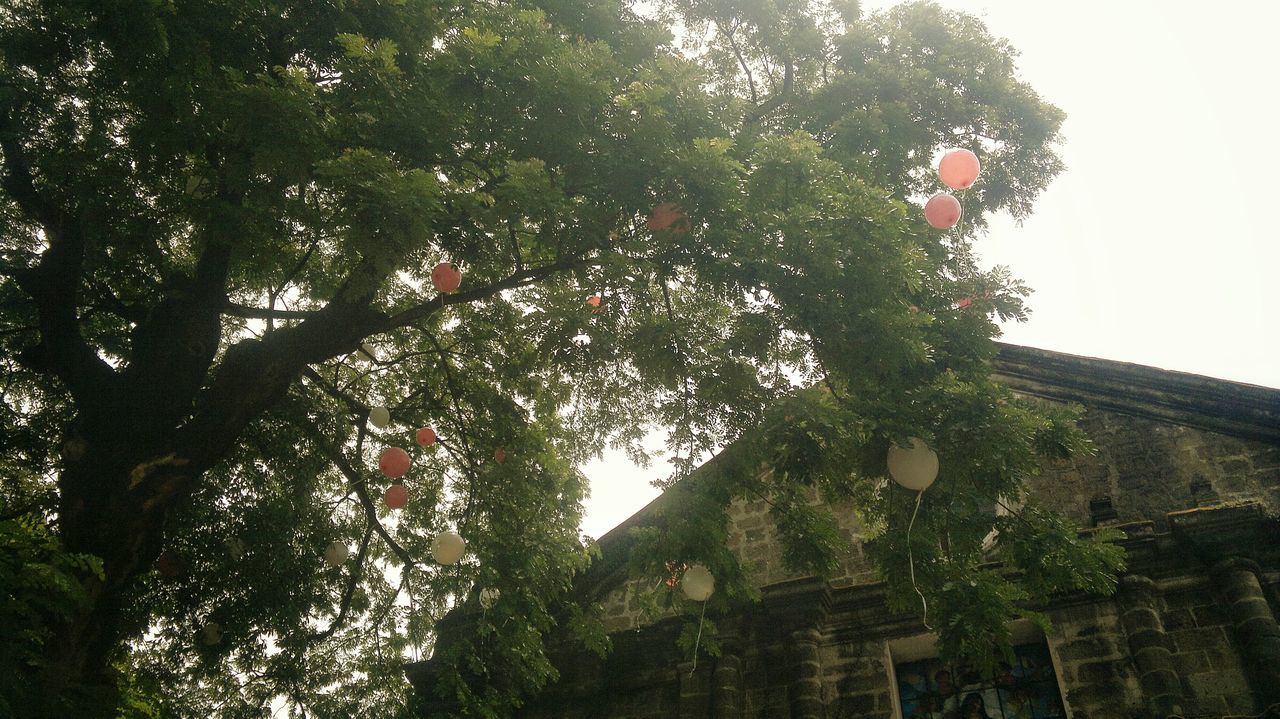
[1232, 408]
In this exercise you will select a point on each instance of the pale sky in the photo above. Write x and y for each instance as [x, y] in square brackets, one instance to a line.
[1159, 244]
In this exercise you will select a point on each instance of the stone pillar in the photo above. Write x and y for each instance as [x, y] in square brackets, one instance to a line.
[695, 690]
[805, 691]
[726, 687]
[1257, 633]
[1149, 646]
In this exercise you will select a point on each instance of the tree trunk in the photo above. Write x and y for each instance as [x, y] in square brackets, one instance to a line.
[113, 506]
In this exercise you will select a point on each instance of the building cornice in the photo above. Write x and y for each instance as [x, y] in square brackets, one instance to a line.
[1236, 409]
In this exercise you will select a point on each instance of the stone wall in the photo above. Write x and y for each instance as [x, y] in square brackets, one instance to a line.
[1192, 632]
[1164, 646]
[1148, 469]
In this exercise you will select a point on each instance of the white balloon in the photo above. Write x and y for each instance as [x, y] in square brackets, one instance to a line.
[236, 547]
[448, 548]
[489, 597]
[336, 553]
[379, 416]
[365, 353]
[697, 583]
[915, 467]
[211, 633]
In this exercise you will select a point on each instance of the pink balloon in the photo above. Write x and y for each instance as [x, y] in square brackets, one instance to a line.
[499, 455]
[396, 496]
[942, 211]
[445, 277]
[394, 462]
[959, 169]
[668, 216]
[426, 436]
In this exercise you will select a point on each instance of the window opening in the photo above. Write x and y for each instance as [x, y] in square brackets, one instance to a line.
[1025, 689]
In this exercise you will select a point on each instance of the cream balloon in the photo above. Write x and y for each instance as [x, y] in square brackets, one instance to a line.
[914, 467]
[489, 597]
[211, 633]
[379, 417]
[365, 353]
[448, 548]
[697, 583]
[336, 553]
[236, 547]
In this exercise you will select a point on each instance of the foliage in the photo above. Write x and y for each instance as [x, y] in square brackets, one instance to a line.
[207, 206]
[42, 584]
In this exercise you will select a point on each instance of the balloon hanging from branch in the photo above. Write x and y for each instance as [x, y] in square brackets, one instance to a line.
[446, 277]
[668, 216]
[396, 496]
[336, 553]
[942, 211]
[913, 467]
[211, 634]
[489, 597]
[448, 547]
[236, 547]
[169, 564]
[394, 462]
[379, 416]
[426, 437]
[697, 583]
[959, 168]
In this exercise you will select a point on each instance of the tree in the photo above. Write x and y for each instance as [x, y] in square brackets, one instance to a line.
[208, 207]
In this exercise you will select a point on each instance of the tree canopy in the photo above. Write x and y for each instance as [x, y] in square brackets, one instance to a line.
[208, 207]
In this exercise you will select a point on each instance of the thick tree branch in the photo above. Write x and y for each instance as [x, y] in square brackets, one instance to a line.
[54, 283]
[742, 62]
[519, 279]
[777, 100]
[264, 313]
[288, 278]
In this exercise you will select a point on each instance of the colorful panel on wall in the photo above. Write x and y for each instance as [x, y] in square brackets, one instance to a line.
[932, 689]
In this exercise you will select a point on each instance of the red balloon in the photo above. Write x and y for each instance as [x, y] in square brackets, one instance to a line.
[396, 496]
[668, 216]
[499, 455]
[169, 564]
[964, 302]
[959, 169]
[426, 436]
[445, 277]
[594, 300]
[394, 462]
[942, 211]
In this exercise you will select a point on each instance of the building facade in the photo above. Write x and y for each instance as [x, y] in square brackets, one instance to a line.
[1188, 467]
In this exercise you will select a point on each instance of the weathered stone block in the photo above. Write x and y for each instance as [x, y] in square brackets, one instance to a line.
[1100, 672]
[1194, 662]
[1199, 638]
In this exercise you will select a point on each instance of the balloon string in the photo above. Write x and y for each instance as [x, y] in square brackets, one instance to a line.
[698, 642]
[911, 562]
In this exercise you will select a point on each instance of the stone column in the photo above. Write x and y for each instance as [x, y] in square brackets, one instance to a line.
[1257, 633]
[1149, 646]
[805, 691]
[726, 687]
[695, 690]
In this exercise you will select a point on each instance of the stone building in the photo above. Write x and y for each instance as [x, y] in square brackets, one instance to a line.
[1188, 467]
